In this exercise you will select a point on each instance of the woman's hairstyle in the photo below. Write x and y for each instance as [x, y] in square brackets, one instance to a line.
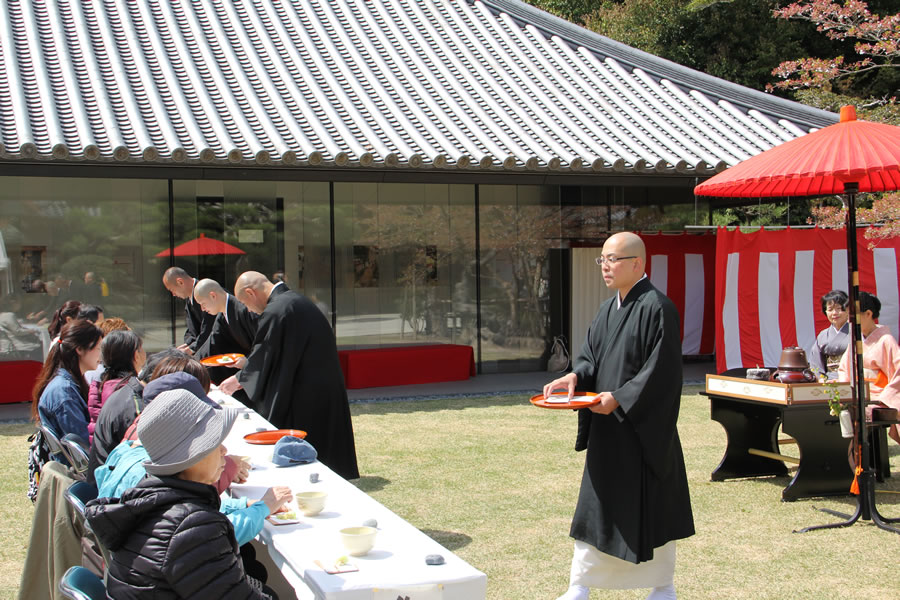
[154, 359]
[871, 302]
[113, 324]
[118, 351]
[89, 312]
[838, 297]
[182, 363]
[69, 310]
[75, 335]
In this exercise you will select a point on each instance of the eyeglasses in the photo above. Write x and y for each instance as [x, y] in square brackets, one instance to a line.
[602, 260]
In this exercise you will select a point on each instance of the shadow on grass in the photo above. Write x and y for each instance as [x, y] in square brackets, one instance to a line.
[451, 540]
[16, 429]
[371, 483]
[417, 405]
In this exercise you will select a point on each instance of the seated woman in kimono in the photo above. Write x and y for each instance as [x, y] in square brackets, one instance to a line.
[831, 343]
[881, 358]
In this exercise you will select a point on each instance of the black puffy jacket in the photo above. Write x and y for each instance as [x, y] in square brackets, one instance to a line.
[169, 540]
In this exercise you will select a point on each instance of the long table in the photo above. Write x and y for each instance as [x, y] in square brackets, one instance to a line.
[394, 568]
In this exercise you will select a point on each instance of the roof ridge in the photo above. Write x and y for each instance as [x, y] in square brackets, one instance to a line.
[661, 67]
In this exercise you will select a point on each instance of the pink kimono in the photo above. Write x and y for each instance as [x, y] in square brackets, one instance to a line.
[881, 354]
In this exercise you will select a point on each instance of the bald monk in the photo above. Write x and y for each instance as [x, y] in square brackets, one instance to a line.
[292, 375]
[634, 501]
[199, 323]
[233, 329]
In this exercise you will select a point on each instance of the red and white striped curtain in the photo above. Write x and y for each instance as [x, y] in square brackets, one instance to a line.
[769, 285]
[682, 267]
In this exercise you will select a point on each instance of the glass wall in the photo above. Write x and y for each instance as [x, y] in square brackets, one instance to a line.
[57, 230]
[519, 227]
[404, 265]
[405, 269]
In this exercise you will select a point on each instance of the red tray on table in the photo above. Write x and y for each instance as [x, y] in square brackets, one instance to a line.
[579, 400]
[267, 438]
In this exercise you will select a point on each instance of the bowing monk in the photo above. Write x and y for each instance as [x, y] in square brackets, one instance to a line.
[634, 501]
[292, 375]
[199, 324]
[233, 329]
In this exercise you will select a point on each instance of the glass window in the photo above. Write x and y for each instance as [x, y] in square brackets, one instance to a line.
[519, 227]
[404, 263]
[86, 239]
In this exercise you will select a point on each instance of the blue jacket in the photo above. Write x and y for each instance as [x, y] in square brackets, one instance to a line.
[62, 408]
[124, 468]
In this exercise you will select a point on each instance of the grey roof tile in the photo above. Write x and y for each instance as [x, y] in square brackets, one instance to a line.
[458, 84]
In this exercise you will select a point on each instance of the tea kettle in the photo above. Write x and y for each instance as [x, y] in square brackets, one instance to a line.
[793, 367]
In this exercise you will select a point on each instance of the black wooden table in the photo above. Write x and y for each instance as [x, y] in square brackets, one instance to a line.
[751, 413]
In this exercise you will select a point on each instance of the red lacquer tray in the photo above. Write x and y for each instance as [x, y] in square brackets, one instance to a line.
[221, 360]
[579, 400]
[267, 438]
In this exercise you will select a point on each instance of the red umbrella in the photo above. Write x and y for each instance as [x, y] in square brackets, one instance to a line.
[817, 164]
[202, 246]
[846, 158]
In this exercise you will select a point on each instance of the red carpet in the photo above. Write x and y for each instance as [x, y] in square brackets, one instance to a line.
[406, 365]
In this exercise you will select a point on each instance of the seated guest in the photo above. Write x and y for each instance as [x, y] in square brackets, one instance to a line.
[92, 313]
[107, 326]
[123, 406]
[60, 394]
[832, 341]
[881, 358]
[167, 536]
[124, 468]
[123, 356]
[65, 313]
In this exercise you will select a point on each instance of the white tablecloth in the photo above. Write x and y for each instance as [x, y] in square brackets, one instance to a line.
[395, 566]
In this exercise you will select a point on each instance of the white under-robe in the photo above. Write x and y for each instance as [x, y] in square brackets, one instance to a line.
[592, 568]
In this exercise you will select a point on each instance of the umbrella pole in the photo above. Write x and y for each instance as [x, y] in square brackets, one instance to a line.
[865, 504]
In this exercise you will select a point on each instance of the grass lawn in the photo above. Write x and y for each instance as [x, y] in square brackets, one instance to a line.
[495, 480]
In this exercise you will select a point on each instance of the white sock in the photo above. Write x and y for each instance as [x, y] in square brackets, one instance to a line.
[663, 592]
[576, 592]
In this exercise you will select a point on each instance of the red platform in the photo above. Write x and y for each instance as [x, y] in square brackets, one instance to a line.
[406, 365]
[19, 377]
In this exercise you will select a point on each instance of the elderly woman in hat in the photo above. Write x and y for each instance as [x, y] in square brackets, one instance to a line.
[167, 536]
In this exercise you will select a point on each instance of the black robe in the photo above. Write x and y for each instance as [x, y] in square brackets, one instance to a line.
[232, 331]
[634, 492]
[294, 379]
[199, 323]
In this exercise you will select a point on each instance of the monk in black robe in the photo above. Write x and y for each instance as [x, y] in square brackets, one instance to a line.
[233, 330]
[634, 500]
[199, 324]
[292, 375]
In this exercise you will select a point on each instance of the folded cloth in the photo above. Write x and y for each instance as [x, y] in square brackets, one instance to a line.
[291, 450]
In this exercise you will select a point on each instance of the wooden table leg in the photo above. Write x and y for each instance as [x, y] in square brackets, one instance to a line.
[824, 469]
[747, 425]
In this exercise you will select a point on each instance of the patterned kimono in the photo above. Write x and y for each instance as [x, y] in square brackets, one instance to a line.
[881, 362]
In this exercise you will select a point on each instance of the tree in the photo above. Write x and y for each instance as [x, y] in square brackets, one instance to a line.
[876, 51]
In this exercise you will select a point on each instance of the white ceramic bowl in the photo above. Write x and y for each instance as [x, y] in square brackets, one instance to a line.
[311, 503]
[358, 540]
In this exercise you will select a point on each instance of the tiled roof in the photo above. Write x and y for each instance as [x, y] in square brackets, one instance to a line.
[362, 84]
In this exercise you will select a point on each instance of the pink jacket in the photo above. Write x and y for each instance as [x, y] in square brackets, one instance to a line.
[96, 400]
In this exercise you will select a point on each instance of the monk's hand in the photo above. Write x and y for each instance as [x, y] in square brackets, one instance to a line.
[566, 382]
[230, 386]
[186, 349]
[606, 405]
[239, 363]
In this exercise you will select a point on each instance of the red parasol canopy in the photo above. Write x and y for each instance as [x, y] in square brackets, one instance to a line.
[817, 164]
[202, 246]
